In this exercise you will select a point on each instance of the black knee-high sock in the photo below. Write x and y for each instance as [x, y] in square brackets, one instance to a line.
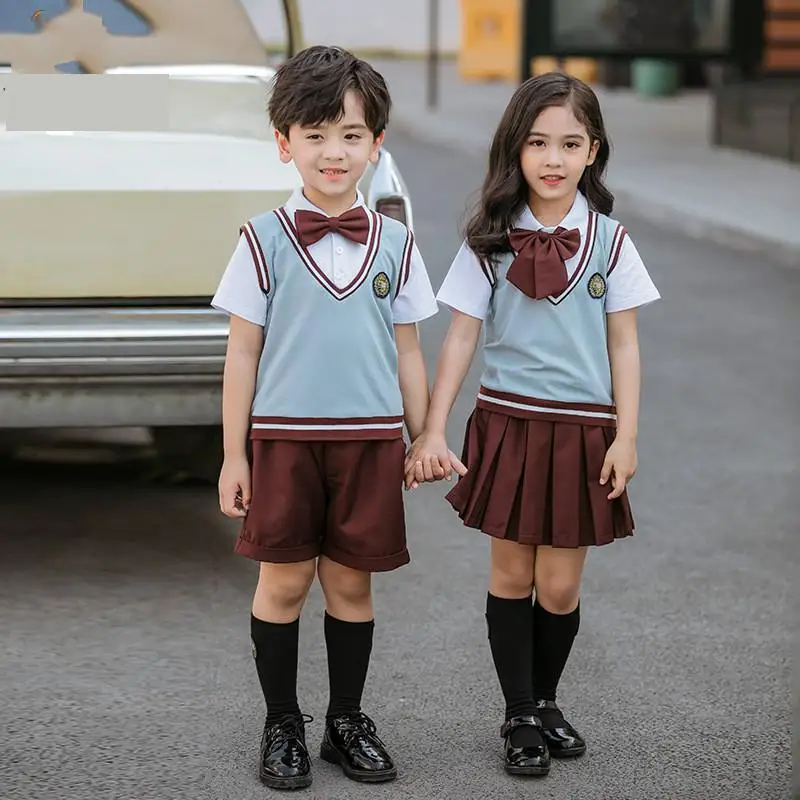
[553, 638]
[349, 647]
[275, 654]
[511, 641]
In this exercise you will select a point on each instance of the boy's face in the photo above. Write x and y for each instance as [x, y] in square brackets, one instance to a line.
[332, 158]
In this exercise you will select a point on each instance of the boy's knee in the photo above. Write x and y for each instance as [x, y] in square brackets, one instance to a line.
[285, 586]
[345, 586]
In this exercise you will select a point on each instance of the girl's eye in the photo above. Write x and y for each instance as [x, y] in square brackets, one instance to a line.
[536, 143]
[572, 145]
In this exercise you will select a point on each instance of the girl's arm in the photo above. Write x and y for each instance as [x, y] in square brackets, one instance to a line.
[245, 342]
[623, 351]
[429, 458]
[413, 378]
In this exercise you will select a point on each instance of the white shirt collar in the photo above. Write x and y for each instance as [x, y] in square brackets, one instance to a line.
[299, 202]
[576, 217]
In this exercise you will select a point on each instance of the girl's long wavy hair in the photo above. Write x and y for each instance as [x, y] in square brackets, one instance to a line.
[505, 191]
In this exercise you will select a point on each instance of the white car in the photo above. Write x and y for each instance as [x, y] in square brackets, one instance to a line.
[114, 242]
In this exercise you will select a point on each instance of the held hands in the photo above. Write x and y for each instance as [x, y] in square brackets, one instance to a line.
[234, 487]
[619, 466]
[428, 459]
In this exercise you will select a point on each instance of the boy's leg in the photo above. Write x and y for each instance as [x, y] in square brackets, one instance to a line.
[365, 533]
[556, 619]
[509, 619]
[349, 625]
[282, 531]
[275, 624]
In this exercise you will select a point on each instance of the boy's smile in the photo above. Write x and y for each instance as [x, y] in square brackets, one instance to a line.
[333, 156]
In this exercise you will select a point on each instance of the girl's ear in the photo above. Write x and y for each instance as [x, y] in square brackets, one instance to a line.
[376, 147]
[593, 152]
[284, 150]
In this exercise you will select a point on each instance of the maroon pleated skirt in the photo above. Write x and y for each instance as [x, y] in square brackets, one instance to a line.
[537, 482]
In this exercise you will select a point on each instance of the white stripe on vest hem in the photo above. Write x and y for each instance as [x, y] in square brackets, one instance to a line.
[367, 427]
[546, 410]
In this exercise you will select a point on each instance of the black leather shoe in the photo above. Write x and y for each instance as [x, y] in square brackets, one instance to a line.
[284, 761]
[562, 739]
[351, 742]
[529, 760]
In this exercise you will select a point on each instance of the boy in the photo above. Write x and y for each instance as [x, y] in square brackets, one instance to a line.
[323, 366]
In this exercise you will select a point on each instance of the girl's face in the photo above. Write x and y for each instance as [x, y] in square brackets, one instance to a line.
[556, 153]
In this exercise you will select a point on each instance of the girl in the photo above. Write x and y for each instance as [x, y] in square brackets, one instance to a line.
[551, 444]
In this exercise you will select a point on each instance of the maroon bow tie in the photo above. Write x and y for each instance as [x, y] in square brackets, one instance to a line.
[539, 269]
[311, 226]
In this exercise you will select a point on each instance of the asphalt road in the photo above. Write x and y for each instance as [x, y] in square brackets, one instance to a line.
[125, 666]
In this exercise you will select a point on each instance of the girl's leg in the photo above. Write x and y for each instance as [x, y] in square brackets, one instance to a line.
[275, 624]
[510, 624]
[556, 618]
[556, 612]
[349, 626]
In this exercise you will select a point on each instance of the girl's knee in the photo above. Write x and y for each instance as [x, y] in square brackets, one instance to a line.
[285, 586]
[558, 594]
[512, 571]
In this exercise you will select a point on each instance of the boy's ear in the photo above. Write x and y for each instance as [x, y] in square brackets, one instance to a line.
[376, 147]
[284, 150]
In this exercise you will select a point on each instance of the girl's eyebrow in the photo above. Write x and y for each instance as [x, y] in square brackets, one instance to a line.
[547, 136]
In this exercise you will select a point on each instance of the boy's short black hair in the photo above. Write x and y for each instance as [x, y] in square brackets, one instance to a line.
[309, 90]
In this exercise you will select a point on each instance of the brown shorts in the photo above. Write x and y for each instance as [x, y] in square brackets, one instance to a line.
[343, 500]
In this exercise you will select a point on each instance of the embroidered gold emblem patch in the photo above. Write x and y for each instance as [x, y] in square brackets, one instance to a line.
[381, 285]
[597, 285]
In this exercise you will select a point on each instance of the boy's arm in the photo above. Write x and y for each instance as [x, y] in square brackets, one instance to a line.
[245, 342]
[413, 378]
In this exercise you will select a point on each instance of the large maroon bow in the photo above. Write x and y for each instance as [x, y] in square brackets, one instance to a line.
[539, 269]
[311, 226]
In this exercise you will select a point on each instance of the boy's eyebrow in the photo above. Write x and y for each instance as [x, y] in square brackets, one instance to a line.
[547, 136]
[355, 126]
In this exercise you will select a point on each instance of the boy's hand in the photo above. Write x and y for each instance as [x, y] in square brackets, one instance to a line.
[619, 465]
[234, 487]
[429, 459]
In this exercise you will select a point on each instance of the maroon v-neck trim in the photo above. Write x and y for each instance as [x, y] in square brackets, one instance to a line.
[314, 268]
[586, 257]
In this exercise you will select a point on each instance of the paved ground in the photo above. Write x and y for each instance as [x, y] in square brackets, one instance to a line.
[126, 667]
[663, 162]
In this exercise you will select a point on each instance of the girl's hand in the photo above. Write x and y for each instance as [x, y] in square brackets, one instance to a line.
[619, 465]
[429, 459]
[234, 487]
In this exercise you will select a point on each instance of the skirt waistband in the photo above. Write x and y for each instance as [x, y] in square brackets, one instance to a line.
[522, 407]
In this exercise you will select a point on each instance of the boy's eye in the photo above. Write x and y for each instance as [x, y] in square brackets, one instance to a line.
[313, 136]
[353, 137]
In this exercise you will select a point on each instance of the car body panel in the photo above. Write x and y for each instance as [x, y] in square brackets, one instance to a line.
[114, 242]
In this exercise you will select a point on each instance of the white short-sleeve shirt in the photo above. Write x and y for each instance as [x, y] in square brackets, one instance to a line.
[467, 288]
[340, 258]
